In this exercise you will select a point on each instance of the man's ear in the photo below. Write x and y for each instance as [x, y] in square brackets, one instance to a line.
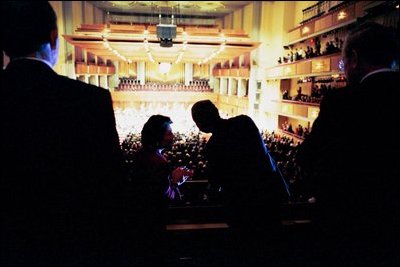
[53, 38]
[354, 60]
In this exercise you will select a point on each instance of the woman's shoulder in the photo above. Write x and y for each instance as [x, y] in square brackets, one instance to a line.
[149, 156]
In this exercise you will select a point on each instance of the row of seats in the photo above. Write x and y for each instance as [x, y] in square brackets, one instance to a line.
[152, 87]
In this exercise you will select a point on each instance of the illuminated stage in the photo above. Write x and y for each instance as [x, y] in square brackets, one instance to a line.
[133, 109]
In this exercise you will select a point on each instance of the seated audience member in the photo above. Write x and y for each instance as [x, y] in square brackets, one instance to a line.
[154, 182]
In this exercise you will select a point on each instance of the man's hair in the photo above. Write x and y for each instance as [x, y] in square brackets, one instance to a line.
[374, 43]
[154, 129]
[204, 109]
[26, 25]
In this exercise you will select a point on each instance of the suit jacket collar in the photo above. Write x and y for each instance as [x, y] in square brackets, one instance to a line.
[34, 58]
[24, 65]
[376, 72]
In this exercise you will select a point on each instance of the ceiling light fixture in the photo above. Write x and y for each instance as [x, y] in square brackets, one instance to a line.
[184, 47]
[107, 45]
[146, 46]
[166, 28]
[164, 67]
[215, 53]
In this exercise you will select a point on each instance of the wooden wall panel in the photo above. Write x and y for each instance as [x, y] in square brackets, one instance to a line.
[323, 23]
[303, 67]
[321, 65]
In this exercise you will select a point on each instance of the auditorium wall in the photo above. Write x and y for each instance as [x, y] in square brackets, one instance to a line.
[70, 15]
[126, 69]
[238, 19]
[267, 22]
[298, 12]
[201, 71]
[219, 22]
[228, 21]
[247, 20]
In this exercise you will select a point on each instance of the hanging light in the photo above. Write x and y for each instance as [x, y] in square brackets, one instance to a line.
[166, 28]
[164, 67]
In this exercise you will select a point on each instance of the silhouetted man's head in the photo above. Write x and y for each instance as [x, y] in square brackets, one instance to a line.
[368, 47]
[205, 115]
[29, 27]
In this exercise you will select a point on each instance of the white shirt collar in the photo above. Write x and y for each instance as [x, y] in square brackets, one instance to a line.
[376, 71]
[34, 58]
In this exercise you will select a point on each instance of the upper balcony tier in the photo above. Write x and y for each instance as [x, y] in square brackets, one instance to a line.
[324, 65]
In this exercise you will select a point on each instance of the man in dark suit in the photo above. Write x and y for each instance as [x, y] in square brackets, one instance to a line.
[62, 180]
[239, 166]
[349, 164]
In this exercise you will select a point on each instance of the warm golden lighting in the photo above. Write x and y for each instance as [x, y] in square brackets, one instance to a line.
[287, 109]
[215, 53]
[314, 114]
[342, 15]
[305, 30]
[275, 72]
[164, 67]
[107, 45]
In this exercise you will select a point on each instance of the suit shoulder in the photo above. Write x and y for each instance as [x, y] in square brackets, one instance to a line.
[336, 95]
[241, 118]
[242, 122]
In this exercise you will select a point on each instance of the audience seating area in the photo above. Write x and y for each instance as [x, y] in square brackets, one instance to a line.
[127, 84]
[188, 151]
[200, 222]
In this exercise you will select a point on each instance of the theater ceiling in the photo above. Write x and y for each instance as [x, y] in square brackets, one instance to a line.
[139, 42]
[186, 8]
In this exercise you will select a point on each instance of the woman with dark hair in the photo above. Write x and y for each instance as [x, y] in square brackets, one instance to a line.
[155, 182]
[151, 166]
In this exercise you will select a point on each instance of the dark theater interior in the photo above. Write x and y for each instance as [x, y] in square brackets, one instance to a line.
[199, 133]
